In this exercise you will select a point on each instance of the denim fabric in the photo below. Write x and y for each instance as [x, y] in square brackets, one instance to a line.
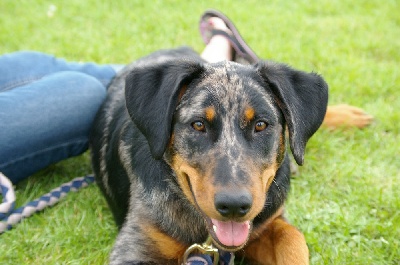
[47, 106]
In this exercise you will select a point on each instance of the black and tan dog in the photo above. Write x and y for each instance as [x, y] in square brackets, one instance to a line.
[190, 149]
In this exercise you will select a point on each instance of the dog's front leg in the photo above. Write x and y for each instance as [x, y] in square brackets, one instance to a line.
[128, 250]
[145, 244]
[280, 243]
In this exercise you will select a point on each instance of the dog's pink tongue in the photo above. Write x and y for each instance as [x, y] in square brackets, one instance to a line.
[231, 233]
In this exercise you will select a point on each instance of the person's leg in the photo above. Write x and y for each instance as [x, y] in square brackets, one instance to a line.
[46, 121]
[218, 48]
[223, 40]
[21, 68]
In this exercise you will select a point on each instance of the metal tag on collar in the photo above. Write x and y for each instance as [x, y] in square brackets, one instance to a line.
[206, 248]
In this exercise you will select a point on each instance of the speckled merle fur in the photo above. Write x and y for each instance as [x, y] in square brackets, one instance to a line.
[147, 120]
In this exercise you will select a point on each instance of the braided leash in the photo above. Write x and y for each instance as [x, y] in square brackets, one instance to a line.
[226, 258]
[7, 190]
[10, 217]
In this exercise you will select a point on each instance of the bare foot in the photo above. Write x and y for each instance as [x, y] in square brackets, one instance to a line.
[345, 116]
[218, 47]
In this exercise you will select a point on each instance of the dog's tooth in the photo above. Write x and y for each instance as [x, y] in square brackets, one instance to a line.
[215, 228]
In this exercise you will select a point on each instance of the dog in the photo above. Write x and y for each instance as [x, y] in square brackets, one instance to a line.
[183, 149]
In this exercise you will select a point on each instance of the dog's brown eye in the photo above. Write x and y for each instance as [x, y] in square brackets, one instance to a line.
[199, 126]
[260, 126]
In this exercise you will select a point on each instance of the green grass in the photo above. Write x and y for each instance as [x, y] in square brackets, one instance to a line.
[346, 199]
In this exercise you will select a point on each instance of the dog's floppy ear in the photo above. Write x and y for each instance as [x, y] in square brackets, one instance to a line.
[302, 98]
[152, 93]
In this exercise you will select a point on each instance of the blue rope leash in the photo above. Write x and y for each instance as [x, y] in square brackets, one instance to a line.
[7, 190]
[10, 216]
[225, 258]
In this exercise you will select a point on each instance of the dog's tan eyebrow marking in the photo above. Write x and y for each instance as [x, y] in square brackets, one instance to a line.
[249, 114]
[210, 113]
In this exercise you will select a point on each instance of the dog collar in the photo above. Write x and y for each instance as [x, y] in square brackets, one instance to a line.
[207, 254]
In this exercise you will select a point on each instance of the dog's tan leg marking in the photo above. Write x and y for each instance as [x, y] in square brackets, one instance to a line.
[345, 116]
[279, 244]
[168, 247]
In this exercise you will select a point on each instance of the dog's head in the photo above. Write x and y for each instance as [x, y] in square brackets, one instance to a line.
[221, 127]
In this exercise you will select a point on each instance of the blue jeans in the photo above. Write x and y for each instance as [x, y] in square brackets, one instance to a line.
[47, 106]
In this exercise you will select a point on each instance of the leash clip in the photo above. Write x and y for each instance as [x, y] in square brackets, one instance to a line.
[206, 248]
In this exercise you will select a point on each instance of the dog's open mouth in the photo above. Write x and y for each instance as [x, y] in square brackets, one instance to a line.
[229, 235]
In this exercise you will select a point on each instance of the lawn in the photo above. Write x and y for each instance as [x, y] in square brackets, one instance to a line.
[346, 198]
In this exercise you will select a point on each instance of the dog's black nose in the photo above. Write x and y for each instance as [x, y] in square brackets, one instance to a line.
[233, 203]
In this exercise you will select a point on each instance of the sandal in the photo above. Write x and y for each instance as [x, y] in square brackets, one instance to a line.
[242, 52]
